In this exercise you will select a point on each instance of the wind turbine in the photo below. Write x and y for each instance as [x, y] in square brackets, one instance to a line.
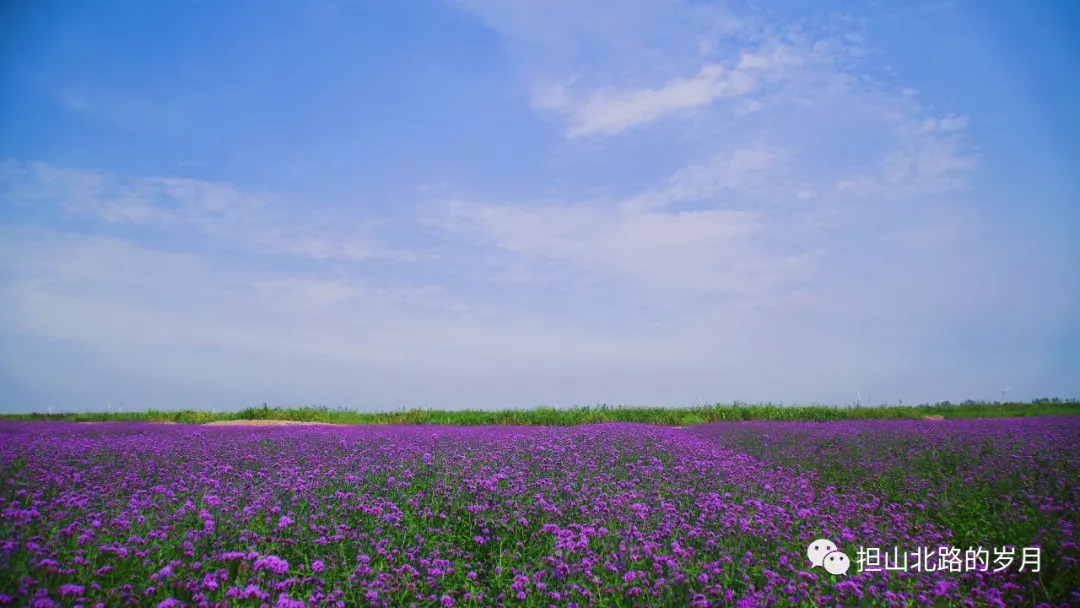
[1003, 391]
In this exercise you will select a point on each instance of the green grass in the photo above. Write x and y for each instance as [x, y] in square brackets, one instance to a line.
[548, 416]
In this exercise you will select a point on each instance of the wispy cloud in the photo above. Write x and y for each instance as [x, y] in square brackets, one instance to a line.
[224, 213]
[609, 111]
[153, 313]
[930, 158]
[645, 244]
[748, 170]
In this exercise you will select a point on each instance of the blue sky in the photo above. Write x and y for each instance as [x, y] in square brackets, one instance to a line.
[481, 203]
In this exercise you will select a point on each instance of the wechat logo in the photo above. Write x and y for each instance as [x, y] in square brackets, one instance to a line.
[823, 553]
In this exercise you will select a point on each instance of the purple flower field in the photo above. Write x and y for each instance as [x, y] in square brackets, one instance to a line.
[128, 514]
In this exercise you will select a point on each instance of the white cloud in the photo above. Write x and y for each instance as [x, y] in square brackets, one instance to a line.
[221, 212]
[706, 251]
[603, 34]
[943, 156]
[750, 106]
[953, 123]
[945, 124]
[746, 170]
[550, 96]
[159, 314]
[926, 167]
[777, 59]
[608, 112]
[753, 61]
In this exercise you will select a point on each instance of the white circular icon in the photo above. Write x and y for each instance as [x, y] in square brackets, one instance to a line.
[819, 549]
[836, 562]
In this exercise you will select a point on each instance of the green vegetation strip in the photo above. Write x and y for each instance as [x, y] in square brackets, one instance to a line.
[549, 416]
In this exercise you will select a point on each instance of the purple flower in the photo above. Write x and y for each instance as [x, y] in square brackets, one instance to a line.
[70, 589]
[272, 563]
[284, 601]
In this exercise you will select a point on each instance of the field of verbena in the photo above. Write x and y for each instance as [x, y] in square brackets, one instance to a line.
[134, 514]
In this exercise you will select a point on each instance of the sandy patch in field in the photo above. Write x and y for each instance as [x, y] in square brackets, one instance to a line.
[265, 423]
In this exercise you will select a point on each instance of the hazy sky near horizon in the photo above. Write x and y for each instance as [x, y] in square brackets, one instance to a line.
[500, 203]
